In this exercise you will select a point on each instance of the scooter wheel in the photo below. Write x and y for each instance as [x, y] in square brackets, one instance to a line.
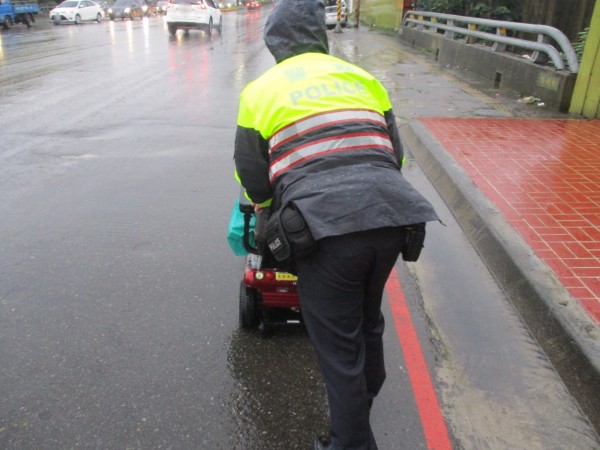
[249, 309]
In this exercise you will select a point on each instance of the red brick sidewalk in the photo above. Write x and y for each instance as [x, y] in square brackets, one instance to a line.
[544, 176]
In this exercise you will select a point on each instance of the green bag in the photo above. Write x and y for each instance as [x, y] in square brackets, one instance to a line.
[235, 233]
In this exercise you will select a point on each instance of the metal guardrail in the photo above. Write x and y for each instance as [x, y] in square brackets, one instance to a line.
[542, 49]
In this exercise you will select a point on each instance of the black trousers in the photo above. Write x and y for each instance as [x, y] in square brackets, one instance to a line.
[340, 287]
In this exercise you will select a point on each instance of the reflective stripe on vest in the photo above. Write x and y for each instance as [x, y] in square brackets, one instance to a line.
[322, 120]
[322, 147]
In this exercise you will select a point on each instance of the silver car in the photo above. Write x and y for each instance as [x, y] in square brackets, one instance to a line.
[331, 16]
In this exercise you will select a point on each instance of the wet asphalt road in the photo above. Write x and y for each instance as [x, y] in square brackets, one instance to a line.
[118, 291]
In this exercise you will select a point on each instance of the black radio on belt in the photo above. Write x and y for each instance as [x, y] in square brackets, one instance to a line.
[414, 237]
[287, 234]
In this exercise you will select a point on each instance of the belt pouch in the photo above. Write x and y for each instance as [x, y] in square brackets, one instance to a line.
[297, 232]
[276, 239]
[414, 237]
[288, 235]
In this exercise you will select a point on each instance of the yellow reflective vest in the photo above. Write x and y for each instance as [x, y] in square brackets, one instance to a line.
[320, 132]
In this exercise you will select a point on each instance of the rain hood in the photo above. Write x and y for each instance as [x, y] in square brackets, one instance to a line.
[295, 27]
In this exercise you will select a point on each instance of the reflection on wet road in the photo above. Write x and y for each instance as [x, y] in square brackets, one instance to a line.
[268, 373]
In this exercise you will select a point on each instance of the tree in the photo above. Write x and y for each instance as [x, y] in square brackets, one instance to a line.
[491, 9]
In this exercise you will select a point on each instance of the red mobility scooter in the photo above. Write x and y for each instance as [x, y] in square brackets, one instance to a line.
[268, 295]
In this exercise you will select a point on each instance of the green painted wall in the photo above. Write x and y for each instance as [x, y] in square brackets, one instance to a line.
[586, 96]
[386, 14]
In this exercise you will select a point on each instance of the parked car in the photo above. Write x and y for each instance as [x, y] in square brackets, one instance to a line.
[161, 7]
[126, 9]
[331, 16]
[193, 14]
[252, 5]
[76, 11]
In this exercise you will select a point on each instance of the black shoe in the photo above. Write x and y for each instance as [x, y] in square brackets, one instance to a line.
[322, 443]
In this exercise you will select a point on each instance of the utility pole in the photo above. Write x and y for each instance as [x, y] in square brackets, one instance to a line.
[338, 25]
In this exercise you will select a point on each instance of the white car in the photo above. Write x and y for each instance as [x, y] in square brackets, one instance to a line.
[331, 16]
[76, 11]
[193, 14]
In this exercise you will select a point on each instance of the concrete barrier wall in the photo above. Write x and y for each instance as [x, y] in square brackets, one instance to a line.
[502, 70]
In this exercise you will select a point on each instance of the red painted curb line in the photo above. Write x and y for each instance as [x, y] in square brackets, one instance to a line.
[434, 426]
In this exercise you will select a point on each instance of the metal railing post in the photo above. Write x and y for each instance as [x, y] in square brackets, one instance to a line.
[498, 47]
[448, 33]
[541, 57]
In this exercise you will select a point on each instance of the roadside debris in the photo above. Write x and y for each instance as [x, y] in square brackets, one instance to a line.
[531, 100]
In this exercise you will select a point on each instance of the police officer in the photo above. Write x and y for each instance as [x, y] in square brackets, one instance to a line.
[319, 133]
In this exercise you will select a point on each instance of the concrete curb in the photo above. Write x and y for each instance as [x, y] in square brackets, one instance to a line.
[563, 329]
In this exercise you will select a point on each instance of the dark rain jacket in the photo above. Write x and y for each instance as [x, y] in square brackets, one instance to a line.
[320, 132]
